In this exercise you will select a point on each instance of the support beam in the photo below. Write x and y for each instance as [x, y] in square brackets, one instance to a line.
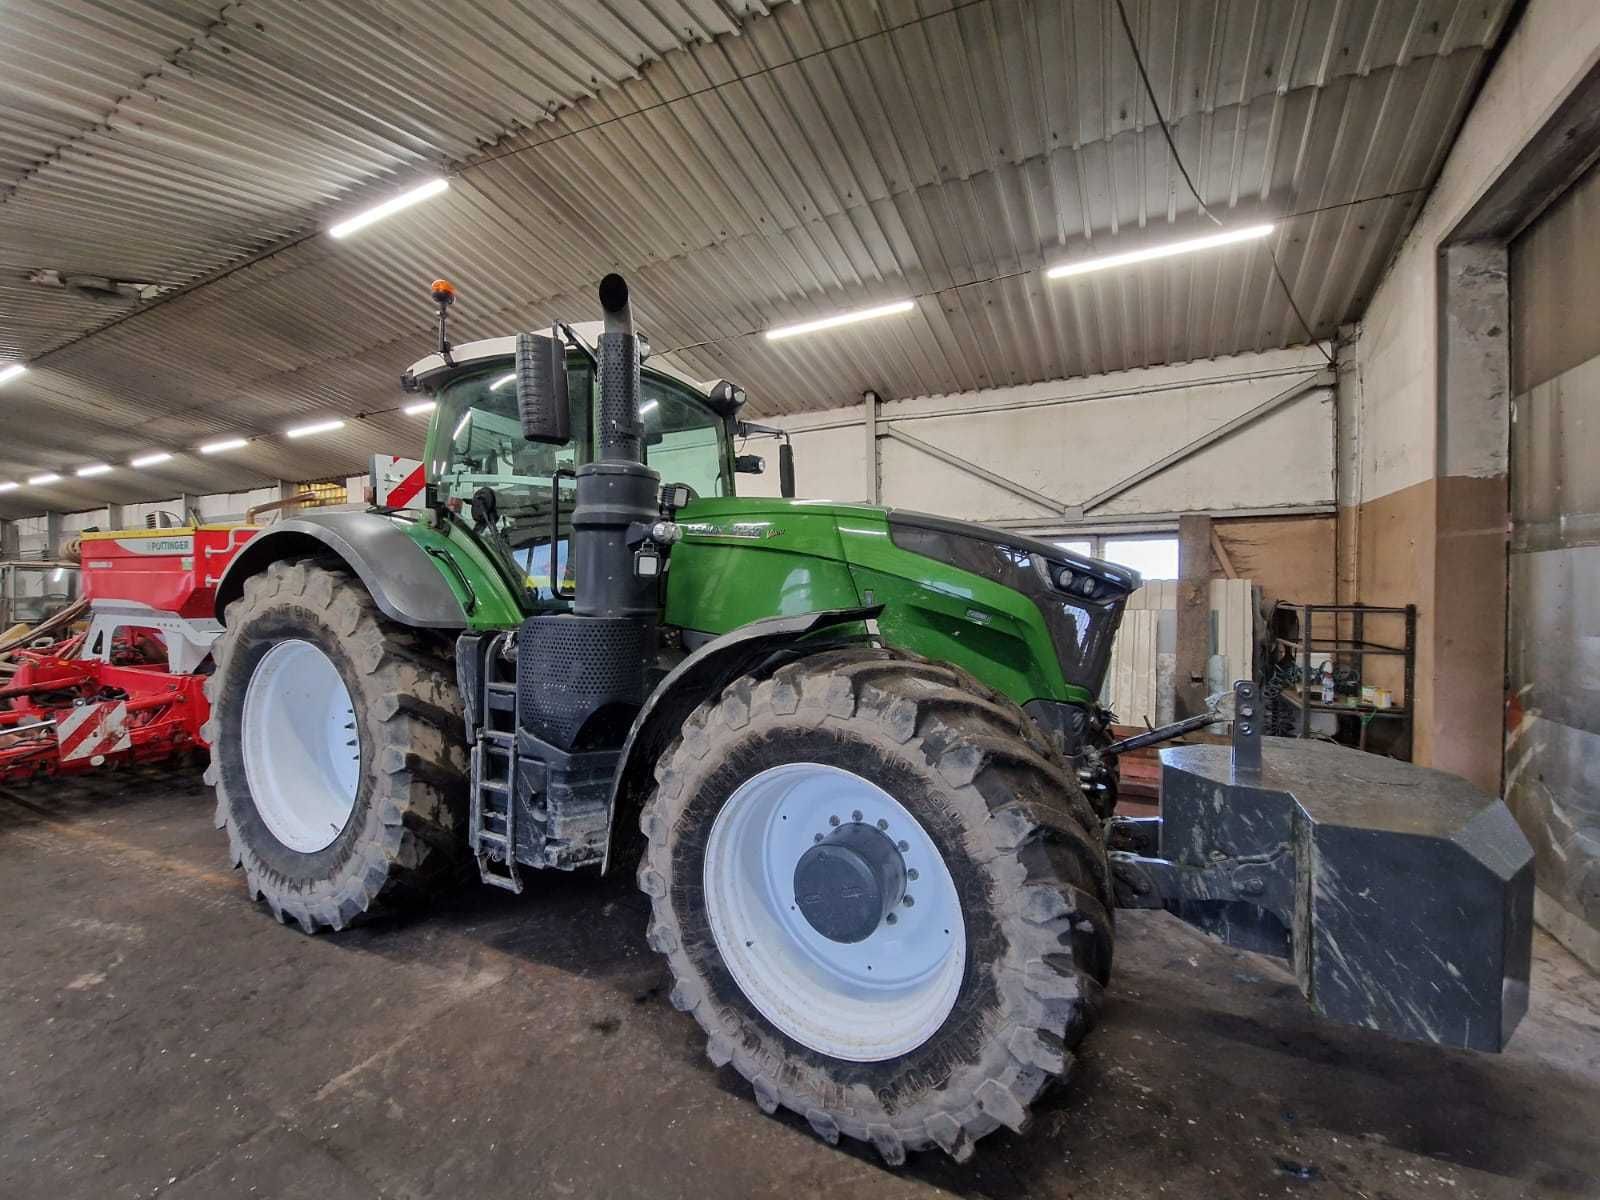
[52, 535]
[869, 408]
[1048, 503]
[1322, 379]
[1194, 615]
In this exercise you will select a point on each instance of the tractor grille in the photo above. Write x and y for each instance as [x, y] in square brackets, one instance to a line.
[1081, 628]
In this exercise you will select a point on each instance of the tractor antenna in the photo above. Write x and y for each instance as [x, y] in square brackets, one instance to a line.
[444, 295]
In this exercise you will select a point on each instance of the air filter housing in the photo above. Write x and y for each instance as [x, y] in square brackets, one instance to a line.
[580, 680]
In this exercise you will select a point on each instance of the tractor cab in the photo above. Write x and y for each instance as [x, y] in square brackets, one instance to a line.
[476, 444]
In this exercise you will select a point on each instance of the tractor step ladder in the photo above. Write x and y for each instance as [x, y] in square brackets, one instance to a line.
[493, 831]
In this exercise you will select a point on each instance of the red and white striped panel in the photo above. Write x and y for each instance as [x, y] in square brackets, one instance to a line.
[397, 482]
[93, 730]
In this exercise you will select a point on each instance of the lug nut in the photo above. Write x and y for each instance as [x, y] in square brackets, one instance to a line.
[882, 824]
[817, 838]
[903, 846]
[856, 816]
[908, 901]
[833, 820]
[911, 874]
[890, 919]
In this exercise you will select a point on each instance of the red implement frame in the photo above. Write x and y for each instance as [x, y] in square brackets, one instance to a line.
[62, 713]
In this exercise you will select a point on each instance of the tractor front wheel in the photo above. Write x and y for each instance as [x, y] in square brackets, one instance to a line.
[336, 750]
[878, 896]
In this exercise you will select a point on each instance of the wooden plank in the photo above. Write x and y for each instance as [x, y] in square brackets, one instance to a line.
[1233, 603]
[1221, 551]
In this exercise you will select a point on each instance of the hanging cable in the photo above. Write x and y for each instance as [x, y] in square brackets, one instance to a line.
[1177, 159]
[1155, 105]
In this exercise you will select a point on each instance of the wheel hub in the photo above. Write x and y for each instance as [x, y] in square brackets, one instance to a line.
[849, 882]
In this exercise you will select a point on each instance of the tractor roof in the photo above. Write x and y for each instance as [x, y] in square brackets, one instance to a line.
[489, 349]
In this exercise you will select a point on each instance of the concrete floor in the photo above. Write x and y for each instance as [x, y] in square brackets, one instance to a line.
[159, 1035]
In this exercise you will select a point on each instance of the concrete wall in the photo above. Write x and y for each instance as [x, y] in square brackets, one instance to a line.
[1424, 405]
[1065, 441]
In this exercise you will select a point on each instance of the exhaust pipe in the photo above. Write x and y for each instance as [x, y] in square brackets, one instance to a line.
[616, 490]
[586, 670]
[614, 302]
[619, 438]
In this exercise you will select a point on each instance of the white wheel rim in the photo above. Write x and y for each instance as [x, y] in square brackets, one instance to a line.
[864, 1001]
[302, 752]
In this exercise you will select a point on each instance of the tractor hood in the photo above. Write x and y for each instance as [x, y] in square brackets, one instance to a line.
[1026, 617]
[757, 516]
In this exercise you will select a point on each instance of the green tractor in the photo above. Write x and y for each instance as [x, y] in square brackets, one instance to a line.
[856, 753]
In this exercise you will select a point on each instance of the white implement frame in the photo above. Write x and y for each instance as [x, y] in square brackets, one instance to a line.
[188, 640]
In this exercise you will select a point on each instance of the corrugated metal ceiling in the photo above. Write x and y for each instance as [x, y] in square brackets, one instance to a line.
[743, 169]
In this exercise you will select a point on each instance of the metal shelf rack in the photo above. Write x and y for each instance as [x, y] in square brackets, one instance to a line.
[1353, 652]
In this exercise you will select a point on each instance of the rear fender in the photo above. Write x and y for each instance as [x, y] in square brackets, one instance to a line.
[417, 576]
[693, 681]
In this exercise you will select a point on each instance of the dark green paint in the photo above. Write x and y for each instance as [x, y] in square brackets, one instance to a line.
[744, 559]
[486, 598]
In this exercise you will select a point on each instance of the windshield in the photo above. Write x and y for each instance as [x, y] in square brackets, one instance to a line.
[477, 442]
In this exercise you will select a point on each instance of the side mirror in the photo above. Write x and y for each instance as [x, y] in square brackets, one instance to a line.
[542, 404]
[786, 470]
[749, 464]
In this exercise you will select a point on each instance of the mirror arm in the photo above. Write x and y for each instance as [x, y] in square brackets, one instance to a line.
[786, 484]
[752, 429]
[577, 343]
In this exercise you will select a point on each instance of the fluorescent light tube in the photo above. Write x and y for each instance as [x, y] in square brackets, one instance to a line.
[317, 427]
[41, 480]
[92, 469]
[7, 374]
[1188, 246]
[416, 410]
[860, 314]
[388, 208]
[150, 460]
[225, 444]
[9, 486]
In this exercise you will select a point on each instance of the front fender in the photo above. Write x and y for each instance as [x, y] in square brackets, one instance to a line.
[401, 564]
[702, 675]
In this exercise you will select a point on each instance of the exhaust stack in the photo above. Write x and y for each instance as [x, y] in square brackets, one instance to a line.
[619, 438]
[580, 676]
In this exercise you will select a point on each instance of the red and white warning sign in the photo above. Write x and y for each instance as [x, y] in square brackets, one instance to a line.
[397, 482]
[93, 730]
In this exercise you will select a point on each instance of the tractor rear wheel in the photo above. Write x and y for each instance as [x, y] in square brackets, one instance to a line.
[879, 898]
[337, 751]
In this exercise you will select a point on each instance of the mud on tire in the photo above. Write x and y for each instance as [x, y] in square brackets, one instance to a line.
[404, 838]
[1023, 850]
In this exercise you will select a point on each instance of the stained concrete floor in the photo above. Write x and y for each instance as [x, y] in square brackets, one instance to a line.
[161, 1036]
